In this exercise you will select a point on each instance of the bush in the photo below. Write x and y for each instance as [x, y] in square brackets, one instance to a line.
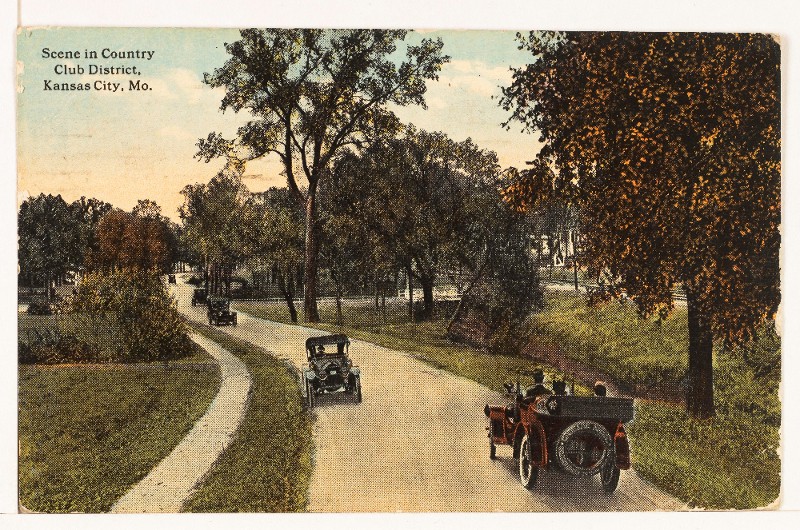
[138, 307]
[40, 307]
[63, 349]
[504, 300]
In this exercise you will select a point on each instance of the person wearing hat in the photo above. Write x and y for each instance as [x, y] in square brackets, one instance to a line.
[538, 388]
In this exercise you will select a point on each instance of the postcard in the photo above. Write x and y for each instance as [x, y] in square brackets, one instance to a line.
[320, 270]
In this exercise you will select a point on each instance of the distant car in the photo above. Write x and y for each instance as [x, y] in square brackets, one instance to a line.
[199, 296]
[549, 428]
[171, 278]
[219, 312]
[329, 368]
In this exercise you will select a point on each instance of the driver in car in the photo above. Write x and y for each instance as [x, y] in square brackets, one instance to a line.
[538, 388]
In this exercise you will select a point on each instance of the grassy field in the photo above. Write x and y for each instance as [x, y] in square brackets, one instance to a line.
[89, 432]
[728, 462]
[268, 466]
[635, 352]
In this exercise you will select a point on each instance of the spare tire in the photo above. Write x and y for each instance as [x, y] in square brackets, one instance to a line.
[583, 447]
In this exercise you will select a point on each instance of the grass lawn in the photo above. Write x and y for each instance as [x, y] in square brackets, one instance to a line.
[268, 467]
[635, 352]
[729, 462]
[87, 433]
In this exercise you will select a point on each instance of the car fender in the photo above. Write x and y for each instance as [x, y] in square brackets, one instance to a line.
[536, 429]
[622, 448]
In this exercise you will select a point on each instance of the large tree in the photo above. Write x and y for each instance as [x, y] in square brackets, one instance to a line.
[311, 93]
[52, 239]
[670, 145]
[214, 224]
[128, 241]
[273, 239]
[424, 198]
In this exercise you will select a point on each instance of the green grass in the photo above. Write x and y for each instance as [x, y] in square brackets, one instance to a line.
[635, 352]
[268, 466]
[87, 433]
[425, 341]
[730, 462]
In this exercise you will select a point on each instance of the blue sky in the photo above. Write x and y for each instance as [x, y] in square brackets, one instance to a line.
[125, 146]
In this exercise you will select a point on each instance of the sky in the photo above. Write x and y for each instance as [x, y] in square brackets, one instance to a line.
[125, 145]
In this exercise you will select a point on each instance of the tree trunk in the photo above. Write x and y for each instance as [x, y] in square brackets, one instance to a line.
[288, 295]
[427, 297]
[338, 303]
[310, 273]
[575, 258]
[700, 392]
[410, 294]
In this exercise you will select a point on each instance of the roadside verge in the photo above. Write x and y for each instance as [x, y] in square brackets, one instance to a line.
[172, 481]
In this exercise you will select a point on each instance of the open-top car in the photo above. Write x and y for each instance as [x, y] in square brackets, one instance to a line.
[199, 296]
[219, 311]
[551, 428]
[329, 368]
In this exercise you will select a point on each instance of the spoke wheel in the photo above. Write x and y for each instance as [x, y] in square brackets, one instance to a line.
[527, 471]
[309, 395]
[609, 476]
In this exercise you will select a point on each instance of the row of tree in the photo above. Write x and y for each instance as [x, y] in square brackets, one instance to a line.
[409, 200]
[666, 146]
[59, 239]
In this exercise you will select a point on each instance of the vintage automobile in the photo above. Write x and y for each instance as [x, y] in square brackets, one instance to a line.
[329, 368]
[219, 312]
[199, 296]
[551, 428]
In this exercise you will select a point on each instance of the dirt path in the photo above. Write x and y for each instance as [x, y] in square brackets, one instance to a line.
[170, 483]
[418, 440]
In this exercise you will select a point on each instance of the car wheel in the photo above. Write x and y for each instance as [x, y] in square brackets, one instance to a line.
[358, 391]
[527, 471]
[492, 448]
[584, 448]
[309, 395]
[609, 476]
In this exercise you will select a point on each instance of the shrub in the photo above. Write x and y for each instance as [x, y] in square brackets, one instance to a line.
[65, 349]
[40, 307]
[504, 299]
[137, 305]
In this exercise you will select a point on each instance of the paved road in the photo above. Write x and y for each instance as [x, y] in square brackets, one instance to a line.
[172, 481]
[418, 442]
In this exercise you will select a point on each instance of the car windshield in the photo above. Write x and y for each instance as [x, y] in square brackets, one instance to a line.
[332, 349]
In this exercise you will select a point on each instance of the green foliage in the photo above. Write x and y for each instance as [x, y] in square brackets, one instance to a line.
[51, 238]
[635, 352]
[136, 306]
[747, 379]
[268, 466]
[87, 434]
[730, 462]
[311, 93]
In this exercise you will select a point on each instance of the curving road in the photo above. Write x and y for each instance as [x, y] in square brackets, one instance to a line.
[418, 441]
